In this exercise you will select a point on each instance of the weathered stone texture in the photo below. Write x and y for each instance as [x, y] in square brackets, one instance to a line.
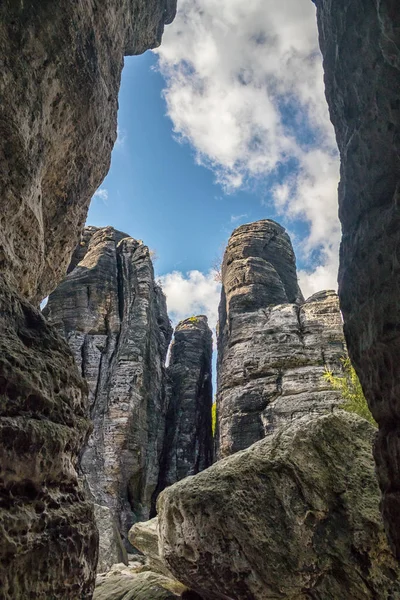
[360, 43]
[188, 444]
[128, 584]
[115, 319]
[60, 71]
[296, 516]
[144, 537]
[273, 346]
[111, 548]
[48, 540]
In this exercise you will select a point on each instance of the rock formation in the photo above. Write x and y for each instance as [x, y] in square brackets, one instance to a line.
[61, 66]
[49, 541]
[360, 43]
[273, 346]
[114, 317]
[111, 549]
[144, 537]
[125, 583]
[295, 516]
[188, 444]
[60, 71]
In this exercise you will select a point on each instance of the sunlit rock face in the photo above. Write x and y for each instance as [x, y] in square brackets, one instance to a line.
[114, 317]
[360, 43]
[273, 347]
[188, 445]
[295, 516]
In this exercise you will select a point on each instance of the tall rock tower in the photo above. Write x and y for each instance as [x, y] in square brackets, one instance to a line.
[273, 346]
[188, 446]
[114, 317]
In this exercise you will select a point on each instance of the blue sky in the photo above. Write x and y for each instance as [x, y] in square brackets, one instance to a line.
[224, 125]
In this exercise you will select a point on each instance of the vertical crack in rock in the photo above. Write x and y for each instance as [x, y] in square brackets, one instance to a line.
[188, 444]
[124, 366]
[360, 43]
[273, 346]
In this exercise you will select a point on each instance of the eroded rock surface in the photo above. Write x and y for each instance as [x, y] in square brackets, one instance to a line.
[111, 549]
[129, 584]
[144, 537]
[61, 66]
[273, 346]
[360, 43]
[114, 317]
[48, 539]
[188, 444]
[295, 516]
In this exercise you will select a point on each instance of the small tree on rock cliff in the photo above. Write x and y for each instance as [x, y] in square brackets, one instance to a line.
[350, 388]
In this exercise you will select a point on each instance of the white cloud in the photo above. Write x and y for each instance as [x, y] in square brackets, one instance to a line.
[237, 218]
[191, 294]
[244, 86]
[322, 277]
[121, 138]
[101, 193]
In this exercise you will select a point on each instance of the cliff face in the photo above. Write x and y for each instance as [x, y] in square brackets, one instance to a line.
[49, 541]
[360, 43]
[60, 70]
[188, 445]
[273, 346]
[61, 65]
[114, 318]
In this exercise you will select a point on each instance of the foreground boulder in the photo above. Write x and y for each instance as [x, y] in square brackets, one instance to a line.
[135, 583]
[295, 516]
[273, 347]
[114, 317]
[360, 43]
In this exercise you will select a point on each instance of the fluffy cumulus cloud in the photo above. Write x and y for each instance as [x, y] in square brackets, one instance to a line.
[244, 86]
[190, 294]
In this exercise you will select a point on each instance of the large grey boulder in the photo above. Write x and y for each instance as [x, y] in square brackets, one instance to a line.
[360, 43]
[295, 516]
[188, 444]
[114, 317]
[128, 584]
[273, 347]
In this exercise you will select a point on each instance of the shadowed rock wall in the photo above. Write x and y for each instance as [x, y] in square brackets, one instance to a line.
[188, 445]
[273, 346]
[60, 65]
[360, 43]
[114, 317]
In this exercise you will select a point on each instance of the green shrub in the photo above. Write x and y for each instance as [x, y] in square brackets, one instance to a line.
[214, 418]
[350, 388]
